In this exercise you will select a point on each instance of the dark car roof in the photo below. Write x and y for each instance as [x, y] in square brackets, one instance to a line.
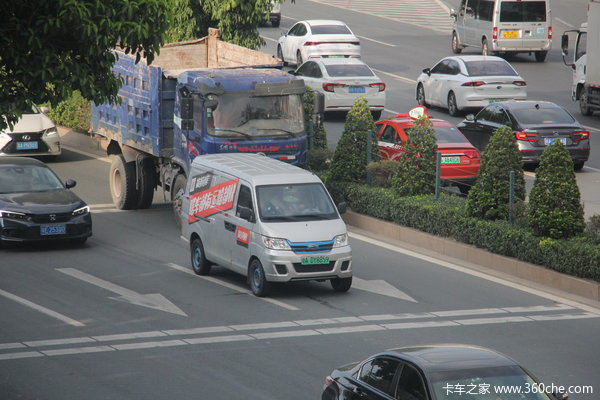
[21, 161]
[524, 104]
[447, 357]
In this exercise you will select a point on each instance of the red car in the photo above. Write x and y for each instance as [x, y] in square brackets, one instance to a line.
[460, 159]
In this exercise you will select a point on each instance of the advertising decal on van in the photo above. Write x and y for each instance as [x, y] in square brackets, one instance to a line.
[242, 236]
[206, 200]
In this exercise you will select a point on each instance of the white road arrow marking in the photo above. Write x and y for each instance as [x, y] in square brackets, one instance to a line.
[156, 301]
[380, 287]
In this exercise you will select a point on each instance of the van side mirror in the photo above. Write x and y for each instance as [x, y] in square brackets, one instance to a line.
[564, 44]
[342, 207]
[45, 110]
[246, 213]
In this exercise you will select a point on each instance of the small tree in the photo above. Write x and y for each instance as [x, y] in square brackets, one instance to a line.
[350, 157]
[555, 208]
[489, 198]
[415, 173]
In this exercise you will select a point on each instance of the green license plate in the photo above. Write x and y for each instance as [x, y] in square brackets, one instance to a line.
[450, 160]
[314, 260]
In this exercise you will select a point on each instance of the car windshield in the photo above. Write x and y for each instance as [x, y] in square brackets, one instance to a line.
[543, 116]
[523, 11]
[243, 115]
[330, 30]
[448, 134]
[27, 178]
[336, 71]
[294, 202]
[489, 68]
[492, 383]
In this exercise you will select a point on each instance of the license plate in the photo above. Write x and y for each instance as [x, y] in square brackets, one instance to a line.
[356, 89]
[46, 230]
[510, 34]
[495, 100]
[314, 260]
[27, 145]
[450, 160]
[550, 140]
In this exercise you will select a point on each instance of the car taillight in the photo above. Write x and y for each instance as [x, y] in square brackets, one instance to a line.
[520, 83]
[495, 33]
[526, 136]
[472, 154]
[329, 87]
[550, 33]
[379, 85]
[582, 135]
[311, 43]
[476, 83]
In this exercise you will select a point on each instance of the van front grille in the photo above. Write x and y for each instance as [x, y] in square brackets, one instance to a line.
[311, 247]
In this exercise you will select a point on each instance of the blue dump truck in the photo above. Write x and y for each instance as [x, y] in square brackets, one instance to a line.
[198, 97]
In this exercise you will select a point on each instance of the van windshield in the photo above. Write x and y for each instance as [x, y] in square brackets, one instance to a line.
[294, 202]
[523, 11]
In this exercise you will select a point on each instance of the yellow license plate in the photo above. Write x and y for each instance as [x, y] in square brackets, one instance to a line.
[510, 34]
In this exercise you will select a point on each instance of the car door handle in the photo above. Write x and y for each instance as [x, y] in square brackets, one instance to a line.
[229, 226]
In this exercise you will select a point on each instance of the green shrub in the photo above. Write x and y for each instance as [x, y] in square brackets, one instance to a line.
[416, 166]
[489, 198]
[382, 172]
[555, 208]
[593, 225]
[320, 137]
[350, 158]
[319, 159]
[74, 112]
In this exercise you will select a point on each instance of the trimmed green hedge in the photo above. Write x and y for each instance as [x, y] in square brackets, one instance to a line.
[448, 217]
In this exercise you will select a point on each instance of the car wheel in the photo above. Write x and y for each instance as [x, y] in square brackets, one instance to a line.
[341, 284]
[540, 56]
[376, 115]
[280, 53]
[122, 183]
[452, 106]
[298, 58]
[456, 49]
[485, 50]
[578, 166]
[177, 192]
[421, 95]
[257, 279]
[584, 108]
[200, 264]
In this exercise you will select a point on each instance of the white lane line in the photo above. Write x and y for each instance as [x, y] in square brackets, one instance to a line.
[458, 313]
[416, 325]
[233, 287]
[58, 342]
[591, 128]
[485, 321]
[6, 346]
[149, 345]
[198, 331]
[27, 354]
[85, 153]
[350, 329]
[41, 309]
[129, 336]
[558, 317]
[557, 307]
[284, 334]
[478, 274]
[270, 39]
[398, 77]
[265, 325]
[219, 339]
[77, 350]
[376, 41]
[565, 23]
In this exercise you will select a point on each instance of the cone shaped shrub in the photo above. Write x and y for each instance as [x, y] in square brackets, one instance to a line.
[489, 197]
[555, 208]
[416, 166]
[350, 158]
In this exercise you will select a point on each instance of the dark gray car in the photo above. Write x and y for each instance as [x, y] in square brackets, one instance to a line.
[536, 124]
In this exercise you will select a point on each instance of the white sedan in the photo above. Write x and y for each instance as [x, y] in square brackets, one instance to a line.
[317, 38]
[342, 80]
[464, 82]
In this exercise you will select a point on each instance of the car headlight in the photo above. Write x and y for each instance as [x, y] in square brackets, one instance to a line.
[81, 211]
[276, 243]
[340, 240]
[14, 215]
[50, 132]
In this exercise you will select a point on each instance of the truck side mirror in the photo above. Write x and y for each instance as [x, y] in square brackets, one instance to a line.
[186, 104]
[564, 44]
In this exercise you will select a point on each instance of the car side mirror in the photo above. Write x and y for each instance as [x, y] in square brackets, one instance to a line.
[70, 183]
[342, 207]
[292, 73]
[470, 117]
[283, 33]
[427, 71]
[560, 396]
[452, 13]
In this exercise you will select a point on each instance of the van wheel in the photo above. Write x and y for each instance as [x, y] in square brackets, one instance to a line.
[200, 264]
[341, 284]
[122, 183]
[584, 108]
[456, 49]
[578, 166]
[540, 56]
[147, 183]
[177, 192]
[452, 106]
[257, 279]
[485, 50]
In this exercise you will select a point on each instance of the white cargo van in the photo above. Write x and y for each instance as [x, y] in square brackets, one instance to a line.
[508, 26]
[265, 219]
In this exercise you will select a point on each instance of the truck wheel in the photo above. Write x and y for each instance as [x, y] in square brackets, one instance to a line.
[147, 183]
[122, 183]
[540, 56]
[456, 49]
[200, 264]
[341, 284]
[177, 192]
[257, 279]
[583, 104]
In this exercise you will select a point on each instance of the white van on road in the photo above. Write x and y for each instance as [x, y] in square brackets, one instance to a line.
[508, 26]
[265, 219]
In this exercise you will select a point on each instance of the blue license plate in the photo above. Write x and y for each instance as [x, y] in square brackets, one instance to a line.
[46, 230]
[356, 89]
[27, 145]
[549, 140]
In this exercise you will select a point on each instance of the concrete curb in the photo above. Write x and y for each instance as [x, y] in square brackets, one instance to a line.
[443, 248]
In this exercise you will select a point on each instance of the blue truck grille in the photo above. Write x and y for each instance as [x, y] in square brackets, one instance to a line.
[311, 247]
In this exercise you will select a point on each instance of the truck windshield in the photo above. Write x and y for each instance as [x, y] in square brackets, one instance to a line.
[294, 202]
[240, 114]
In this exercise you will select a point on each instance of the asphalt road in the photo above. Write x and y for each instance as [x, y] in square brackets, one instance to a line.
[124, 317]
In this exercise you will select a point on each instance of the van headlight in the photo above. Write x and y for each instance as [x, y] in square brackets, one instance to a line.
[50, 132]
[340, 240]
[276, 243]
[81, 211]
